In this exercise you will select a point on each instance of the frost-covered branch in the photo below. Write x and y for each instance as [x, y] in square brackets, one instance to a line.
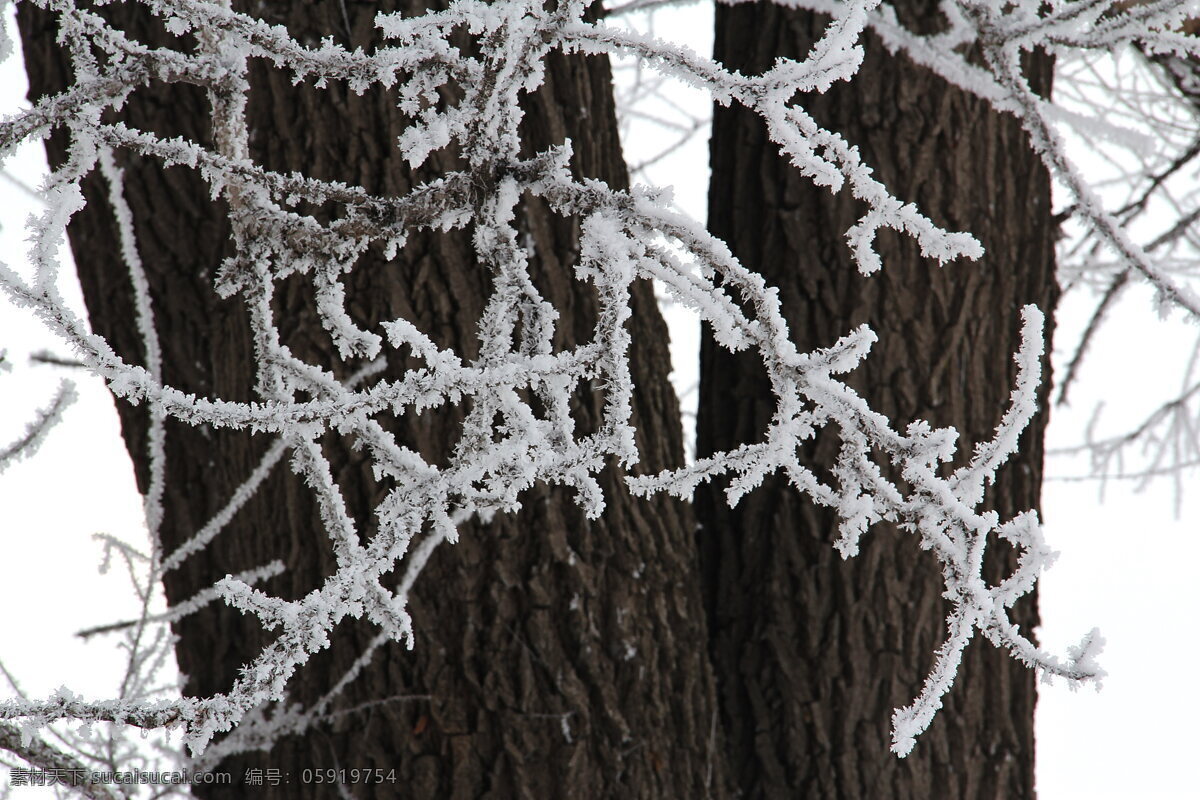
[1003, 31]
[40, 754]
[1132, 210]
[37, 429]
[518, 430]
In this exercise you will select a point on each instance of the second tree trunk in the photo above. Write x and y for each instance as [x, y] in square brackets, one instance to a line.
[813, 653]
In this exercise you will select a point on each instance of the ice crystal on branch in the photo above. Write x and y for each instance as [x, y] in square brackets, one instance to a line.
[518, 429]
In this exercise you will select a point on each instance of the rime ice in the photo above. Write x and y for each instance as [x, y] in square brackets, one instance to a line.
[507, 446]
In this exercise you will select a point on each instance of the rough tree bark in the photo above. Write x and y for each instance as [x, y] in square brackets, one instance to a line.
[813, 653]
[555, 656]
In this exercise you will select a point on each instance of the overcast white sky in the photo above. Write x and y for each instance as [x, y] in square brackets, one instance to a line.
[1127, 566]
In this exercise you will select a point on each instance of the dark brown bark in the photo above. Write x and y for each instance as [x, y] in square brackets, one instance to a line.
[555, 656]
[813, 653]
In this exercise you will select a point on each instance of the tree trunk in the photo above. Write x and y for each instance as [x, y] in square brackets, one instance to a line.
[812, 653]
[555, 656]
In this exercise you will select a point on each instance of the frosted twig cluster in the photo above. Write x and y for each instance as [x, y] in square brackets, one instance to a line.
[1002, 31]
[1137, 119]
[1152, 153]
[508, 442]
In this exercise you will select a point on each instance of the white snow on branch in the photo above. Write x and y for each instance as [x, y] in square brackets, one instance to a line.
[518, 430]
[37, 429]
